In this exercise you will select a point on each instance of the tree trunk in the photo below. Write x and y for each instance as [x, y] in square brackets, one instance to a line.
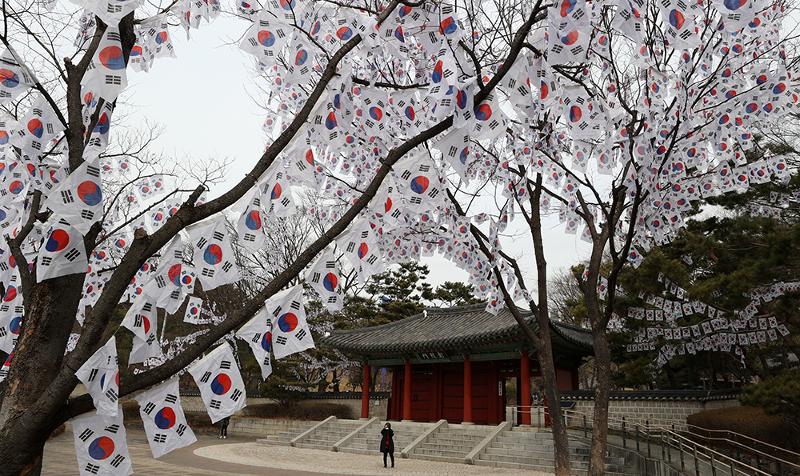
[602, 372]
[560, 440]
[37, 358]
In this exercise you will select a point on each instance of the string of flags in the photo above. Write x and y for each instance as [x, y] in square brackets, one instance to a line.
[666, 328]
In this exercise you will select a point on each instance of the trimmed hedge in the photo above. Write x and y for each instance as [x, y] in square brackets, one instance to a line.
[749, 421]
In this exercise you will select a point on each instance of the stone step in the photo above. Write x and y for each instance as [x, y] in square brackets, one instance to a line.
[443, 459]
[313, 446]
[440, 452]
[439, 444]
[527, 452]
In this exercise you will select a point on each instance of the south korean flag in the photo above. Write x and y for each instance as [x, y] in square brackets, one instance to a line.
[213, 254]
[62, 253]
[101, 446]
[163, 418]
[142, 319]
[105, 75]
[173, 279]
[14, 78]
[361, 248]
[79, 198]
[37, 129]
[194, 311]
[258, 335]
[250, 226]
[220, 383]
[10, 325]
[324, 278]
[290, 332]
[100, 375]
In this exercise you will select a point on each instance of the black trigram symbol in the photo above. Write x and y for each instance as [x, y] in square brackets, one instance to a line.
[160, 438]
[205, 377]
[225, 364]
[215, 404]
[86, 434]
[118, 460]
[149, 408]
[91, 468]
[236, 394]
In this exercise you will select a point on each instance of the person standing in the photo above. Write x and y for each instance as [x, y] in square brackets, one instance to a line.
[387, 443]
[223, 427]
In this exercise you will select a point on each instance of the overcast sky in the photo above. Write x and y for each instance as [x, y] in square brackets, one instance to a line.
[203, 101]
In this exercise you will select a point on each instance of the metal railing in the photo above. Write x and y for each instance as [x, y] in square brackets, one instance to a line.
[677, 451]
[757, 449]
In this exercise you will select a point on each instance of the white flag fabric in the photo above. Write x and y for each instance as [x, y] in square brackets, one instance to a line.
[220, 383]
[10, 325]
[194, 309]
[100, 375]
[290, 332]
[213, 254]
[105, 75]
[258, 334]
[101, 445]
[14, 78]
[79, 198]
[163, 418]
[37, 129]
[250, 226]
[62, 253]
[173, 279]
[361, 246]
[142, 320]
[324, 278]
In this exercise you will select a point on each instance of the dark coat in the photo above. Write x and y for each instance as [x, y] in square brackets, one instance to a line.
[387, 441]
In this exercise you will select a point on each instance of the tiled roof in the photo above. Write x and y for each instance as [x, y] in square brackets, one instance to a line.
[460, 328]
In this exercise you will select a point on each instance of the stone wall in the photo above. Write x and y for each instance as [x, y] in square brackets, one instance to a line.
[660, 413]
[377, 406]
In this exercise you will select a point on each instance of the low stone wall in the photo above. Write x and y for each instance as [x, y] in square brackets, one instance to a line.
[377, 406]
[658, 409]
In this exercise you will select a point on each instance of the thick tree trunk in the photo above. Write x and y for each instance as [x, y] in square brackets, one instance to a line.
[602, 372]
[560, 440]
[37, 358]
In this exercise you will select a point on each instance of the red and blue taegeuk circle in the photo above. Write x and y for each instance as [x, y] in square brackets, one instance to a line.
[90, 193]
[174, 274]
[221, 384]
[330, 282]
[419, 184]
[213, 254]
[483, 111]
[111, 57]
[266, 38]
[363, 250]
[448, 26]
[36, 128]
[253, 220]
[57, 241]
[165, 418]
[8, 78]
[344, 33]
[15, 324]
[101, 448]
[266, 341]
[288, 322]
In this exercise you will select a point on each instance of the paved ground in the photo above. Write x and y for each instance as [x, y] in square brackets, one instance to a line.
[213, 457]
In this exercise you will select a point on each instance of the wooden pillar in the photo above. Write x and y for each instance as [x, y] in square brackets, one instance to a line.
[407, 392]
[525, 388]
[467, 391]
[365, 391]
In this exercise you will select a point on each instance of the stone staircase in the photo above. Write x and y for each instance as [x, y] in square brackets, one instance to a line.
[528, 448]
[367, 441]
[270, 431]
[451, 443]
[327, 435]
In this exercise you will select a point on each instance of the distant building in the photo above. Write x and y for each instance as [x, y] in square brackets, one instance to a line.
[460, 364]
